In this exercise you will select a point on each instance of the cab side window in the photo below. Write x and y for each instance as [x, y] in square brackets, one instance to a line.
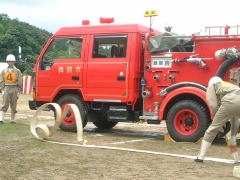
[110, 46]
[61, 48]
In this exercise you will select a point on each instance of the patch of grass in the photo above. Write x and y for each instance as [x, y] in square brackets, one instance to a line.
[7, 128]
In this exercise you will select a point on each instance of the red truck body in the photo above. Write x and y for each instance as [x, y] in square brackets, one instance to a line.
[109, 72]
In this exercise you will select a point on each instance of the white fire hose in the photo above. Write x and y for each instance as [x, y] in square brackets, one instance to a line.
[42, 132]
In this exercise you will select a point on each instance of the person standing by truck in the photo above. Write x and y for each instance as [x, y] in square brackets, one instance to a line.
[224, 100]
[11, 85]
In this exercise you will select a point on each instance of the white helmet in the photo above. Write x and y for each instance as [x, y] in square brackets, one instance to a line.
[11, 57]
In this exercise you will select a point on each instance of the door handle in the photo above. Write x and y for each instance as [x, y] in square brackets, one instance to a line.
[121, 78]
[75, 78]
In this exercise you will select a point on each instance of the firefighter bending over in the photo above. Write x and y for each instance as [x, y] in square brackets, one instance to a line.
[11, 85]
[224, 100]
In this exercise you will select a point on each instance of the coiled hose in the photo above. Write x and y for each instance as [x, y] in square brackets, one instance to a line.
[225, 66]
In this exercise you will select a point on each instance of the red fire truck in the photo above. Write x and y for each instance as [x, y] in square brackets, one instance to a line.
[128, 73]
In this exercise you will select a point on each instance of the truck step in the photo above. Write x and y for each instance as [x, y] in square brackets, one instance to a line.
[150, 119]
[153, 121]
[118, 113]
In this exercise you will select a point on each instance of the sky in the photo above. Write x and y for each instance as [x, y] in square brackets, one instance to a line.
[185, 16]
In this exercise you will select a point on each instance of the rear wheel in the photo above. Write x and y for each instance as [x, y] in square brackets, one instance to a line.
[187, 121]
[69, 123]
[102, 121]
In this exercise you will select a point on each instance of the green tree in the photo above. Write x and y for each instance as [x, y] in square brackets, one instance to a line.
[14, 33]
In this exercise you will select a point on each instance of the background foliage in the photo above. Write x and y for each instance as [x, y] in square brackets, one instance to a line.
[14, 33]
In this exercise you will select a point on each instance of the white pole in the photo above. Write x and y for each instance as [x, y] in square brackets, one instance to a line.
[20, 52]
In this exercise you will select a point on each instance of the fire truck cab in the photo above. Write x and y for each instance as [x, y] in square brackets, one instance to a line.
[117, 73]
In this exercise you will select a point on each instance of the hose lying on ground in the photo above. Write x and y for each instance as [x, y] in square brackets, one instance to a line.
[46, 132]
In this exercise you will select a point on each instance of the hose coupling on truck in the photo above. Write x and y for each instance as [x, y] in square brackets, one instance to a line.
[199, 61]
[146, 94]
[156, 77]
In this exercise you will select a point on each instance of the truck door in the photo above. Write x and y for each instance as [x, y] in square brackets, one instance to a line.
[60, 67]
[108, 68]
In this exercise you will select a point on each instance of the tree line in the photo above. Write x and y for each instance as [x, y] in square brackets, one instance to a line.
[14, 33]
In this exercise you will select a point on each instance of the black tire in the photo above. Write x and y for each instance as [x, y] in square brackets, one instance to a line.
[72, 99]
[102, 122]
[187, 121]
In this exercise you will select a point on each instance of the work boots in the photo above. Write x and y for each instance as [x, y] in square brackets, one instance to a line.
[204, 147]
[13, 118]
[235, 157]
[232, 144]
[1, 117]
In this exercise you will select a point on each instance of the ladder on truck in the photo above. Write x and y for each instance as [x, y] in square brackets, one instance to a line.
[222, 30]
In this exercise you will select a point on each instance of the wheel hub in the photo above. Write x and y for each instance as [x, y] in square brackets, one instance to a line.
[189, 121]
[70, 118]
[68, 114]
[186, 122]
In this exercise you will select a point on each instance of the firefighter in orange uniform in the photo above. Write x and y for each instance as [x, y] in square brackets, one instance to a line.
[11, 85]
[224, 100]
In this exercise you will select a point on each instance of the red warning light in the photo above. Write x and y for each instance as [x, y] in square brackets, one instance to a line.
[85, 22]
[106, 20]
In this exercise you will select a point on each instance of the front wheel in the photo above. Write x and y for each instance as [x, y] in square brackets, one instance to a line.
[187, 121]
[69, 123]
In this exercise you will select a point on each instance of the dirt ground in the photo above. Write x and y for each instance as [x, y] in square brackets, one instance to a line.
[22, 157]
